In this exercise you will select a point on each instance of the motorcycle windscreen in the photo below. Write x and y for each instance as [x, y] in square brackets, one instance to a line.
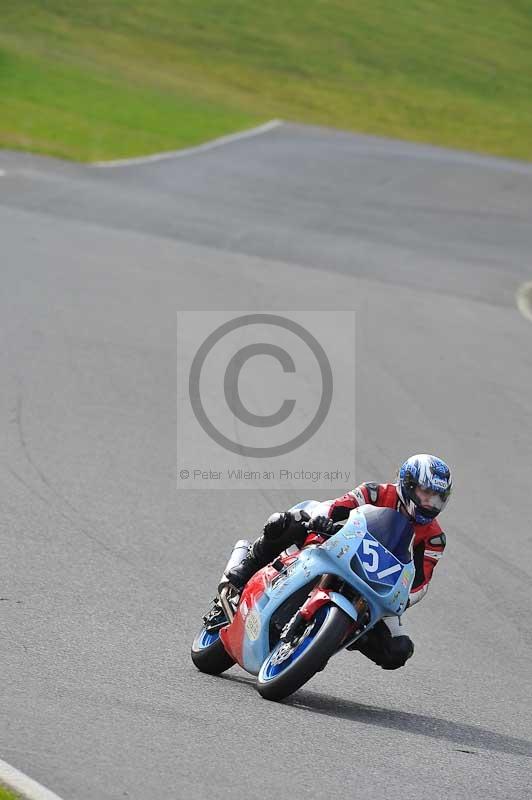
[392, 529]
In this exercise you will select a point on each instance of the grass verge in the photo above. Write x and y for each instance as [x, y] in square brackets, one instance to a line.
[6, 794]
[111, 78]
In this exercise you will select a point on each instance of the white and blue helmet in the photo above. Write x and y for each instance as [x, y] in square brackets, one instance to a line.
[428, 473]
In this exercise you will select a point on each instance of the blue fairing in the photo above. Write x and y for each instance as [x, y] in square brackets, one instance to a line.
[353, 554]
[391, 529]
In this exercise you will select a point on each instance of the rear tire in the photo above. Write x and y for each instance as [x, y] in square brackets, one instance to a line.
[209, 654]
[278, 679]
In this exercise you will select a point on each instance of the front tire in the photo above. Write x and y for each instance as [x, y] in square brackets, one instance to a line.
[286, 670]
[208, 653]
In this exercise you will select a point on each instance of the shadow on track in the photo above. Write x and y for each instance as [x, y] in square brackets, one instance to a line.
[458, 733]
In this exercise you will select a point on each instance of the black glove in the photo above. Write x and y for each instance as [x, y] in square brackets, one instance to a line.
[321, 524]
[278, 523]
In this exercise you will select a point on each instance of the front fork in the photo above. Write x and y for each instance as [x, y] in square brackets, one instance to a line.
[321, 595]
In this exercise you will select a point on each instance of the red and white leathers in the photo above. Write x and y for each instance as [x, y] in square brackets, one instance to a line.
[429, 540]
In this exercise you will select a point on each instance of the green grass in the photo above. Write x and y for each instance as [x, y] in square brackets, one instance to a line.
[110, 78]
[5, 794]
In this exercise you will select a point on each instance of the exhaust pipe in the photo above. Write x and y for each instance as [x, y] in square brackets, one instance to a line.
[240, 551]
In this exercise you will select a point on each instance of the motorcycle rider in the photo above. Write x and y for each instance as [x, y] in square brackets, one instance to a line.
[423, 488]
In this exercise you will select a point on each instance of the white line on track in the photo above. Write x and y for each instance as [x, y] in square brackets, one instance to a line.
[190, 151]
[26, 787]
[523, 297]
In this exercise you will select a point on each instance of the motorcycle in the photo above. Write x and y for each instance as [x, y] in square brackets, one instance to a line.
[305, 607]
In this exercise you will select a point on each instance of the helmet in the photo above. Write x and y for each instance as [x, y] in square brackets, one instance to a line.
[424, 486]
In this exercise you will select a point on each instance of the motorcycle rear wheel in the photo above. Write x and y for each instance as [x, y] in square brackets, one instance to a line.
[208, 653]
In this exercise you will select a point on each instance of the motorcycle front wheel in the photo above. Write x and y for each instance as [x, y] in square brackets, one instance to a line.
[291, 664]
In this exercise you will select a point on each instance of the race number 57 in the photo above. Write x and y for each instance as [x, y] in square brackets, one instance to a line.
[372, 548]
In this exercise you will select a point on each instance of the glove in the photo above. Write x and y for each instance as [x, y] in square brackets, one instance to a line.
[278, 523]
[321, 524]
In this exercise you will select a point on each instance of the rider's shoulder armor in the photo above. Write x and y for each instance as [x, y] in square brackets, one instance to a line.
[430, 535]
[382, 494]
[372, 491]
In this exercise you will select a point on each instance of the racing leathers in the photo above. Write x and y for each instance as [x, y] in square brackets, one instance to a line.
[429, 540]
[387, 644]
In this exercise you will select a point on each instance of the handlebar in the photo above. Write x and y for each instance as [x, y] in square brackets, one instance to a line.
[337, 526]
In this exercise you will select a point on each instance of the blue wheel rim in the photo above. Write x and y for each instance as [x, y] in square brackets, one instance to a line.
[270, 670]
[207, 638]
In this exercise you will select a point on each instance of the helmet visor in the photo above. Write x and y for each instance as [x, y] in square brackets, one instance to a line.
[430, 501]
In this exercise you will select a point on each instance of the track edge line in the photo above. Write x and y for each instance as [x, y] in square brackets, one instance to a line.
[189, 151]
[23, 785]
[523, 298]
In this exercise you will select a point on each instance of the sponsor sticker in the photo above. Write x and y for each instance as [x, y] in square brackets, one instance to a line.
[353, 534]
[253, 626]
[355, 530]
[358, 494]
[330, 545]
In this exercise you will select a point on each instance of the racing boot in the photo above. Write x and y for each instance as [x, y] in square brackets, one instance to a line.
[386, 650]
[261, 553]
[281, 530]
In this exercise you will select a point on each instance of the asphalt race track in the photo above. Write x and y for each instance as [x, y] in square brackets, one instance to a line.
[106, 567]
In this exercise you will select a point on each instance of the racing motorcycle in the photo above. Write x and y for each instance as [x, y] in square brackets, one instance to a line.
[304, 607]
